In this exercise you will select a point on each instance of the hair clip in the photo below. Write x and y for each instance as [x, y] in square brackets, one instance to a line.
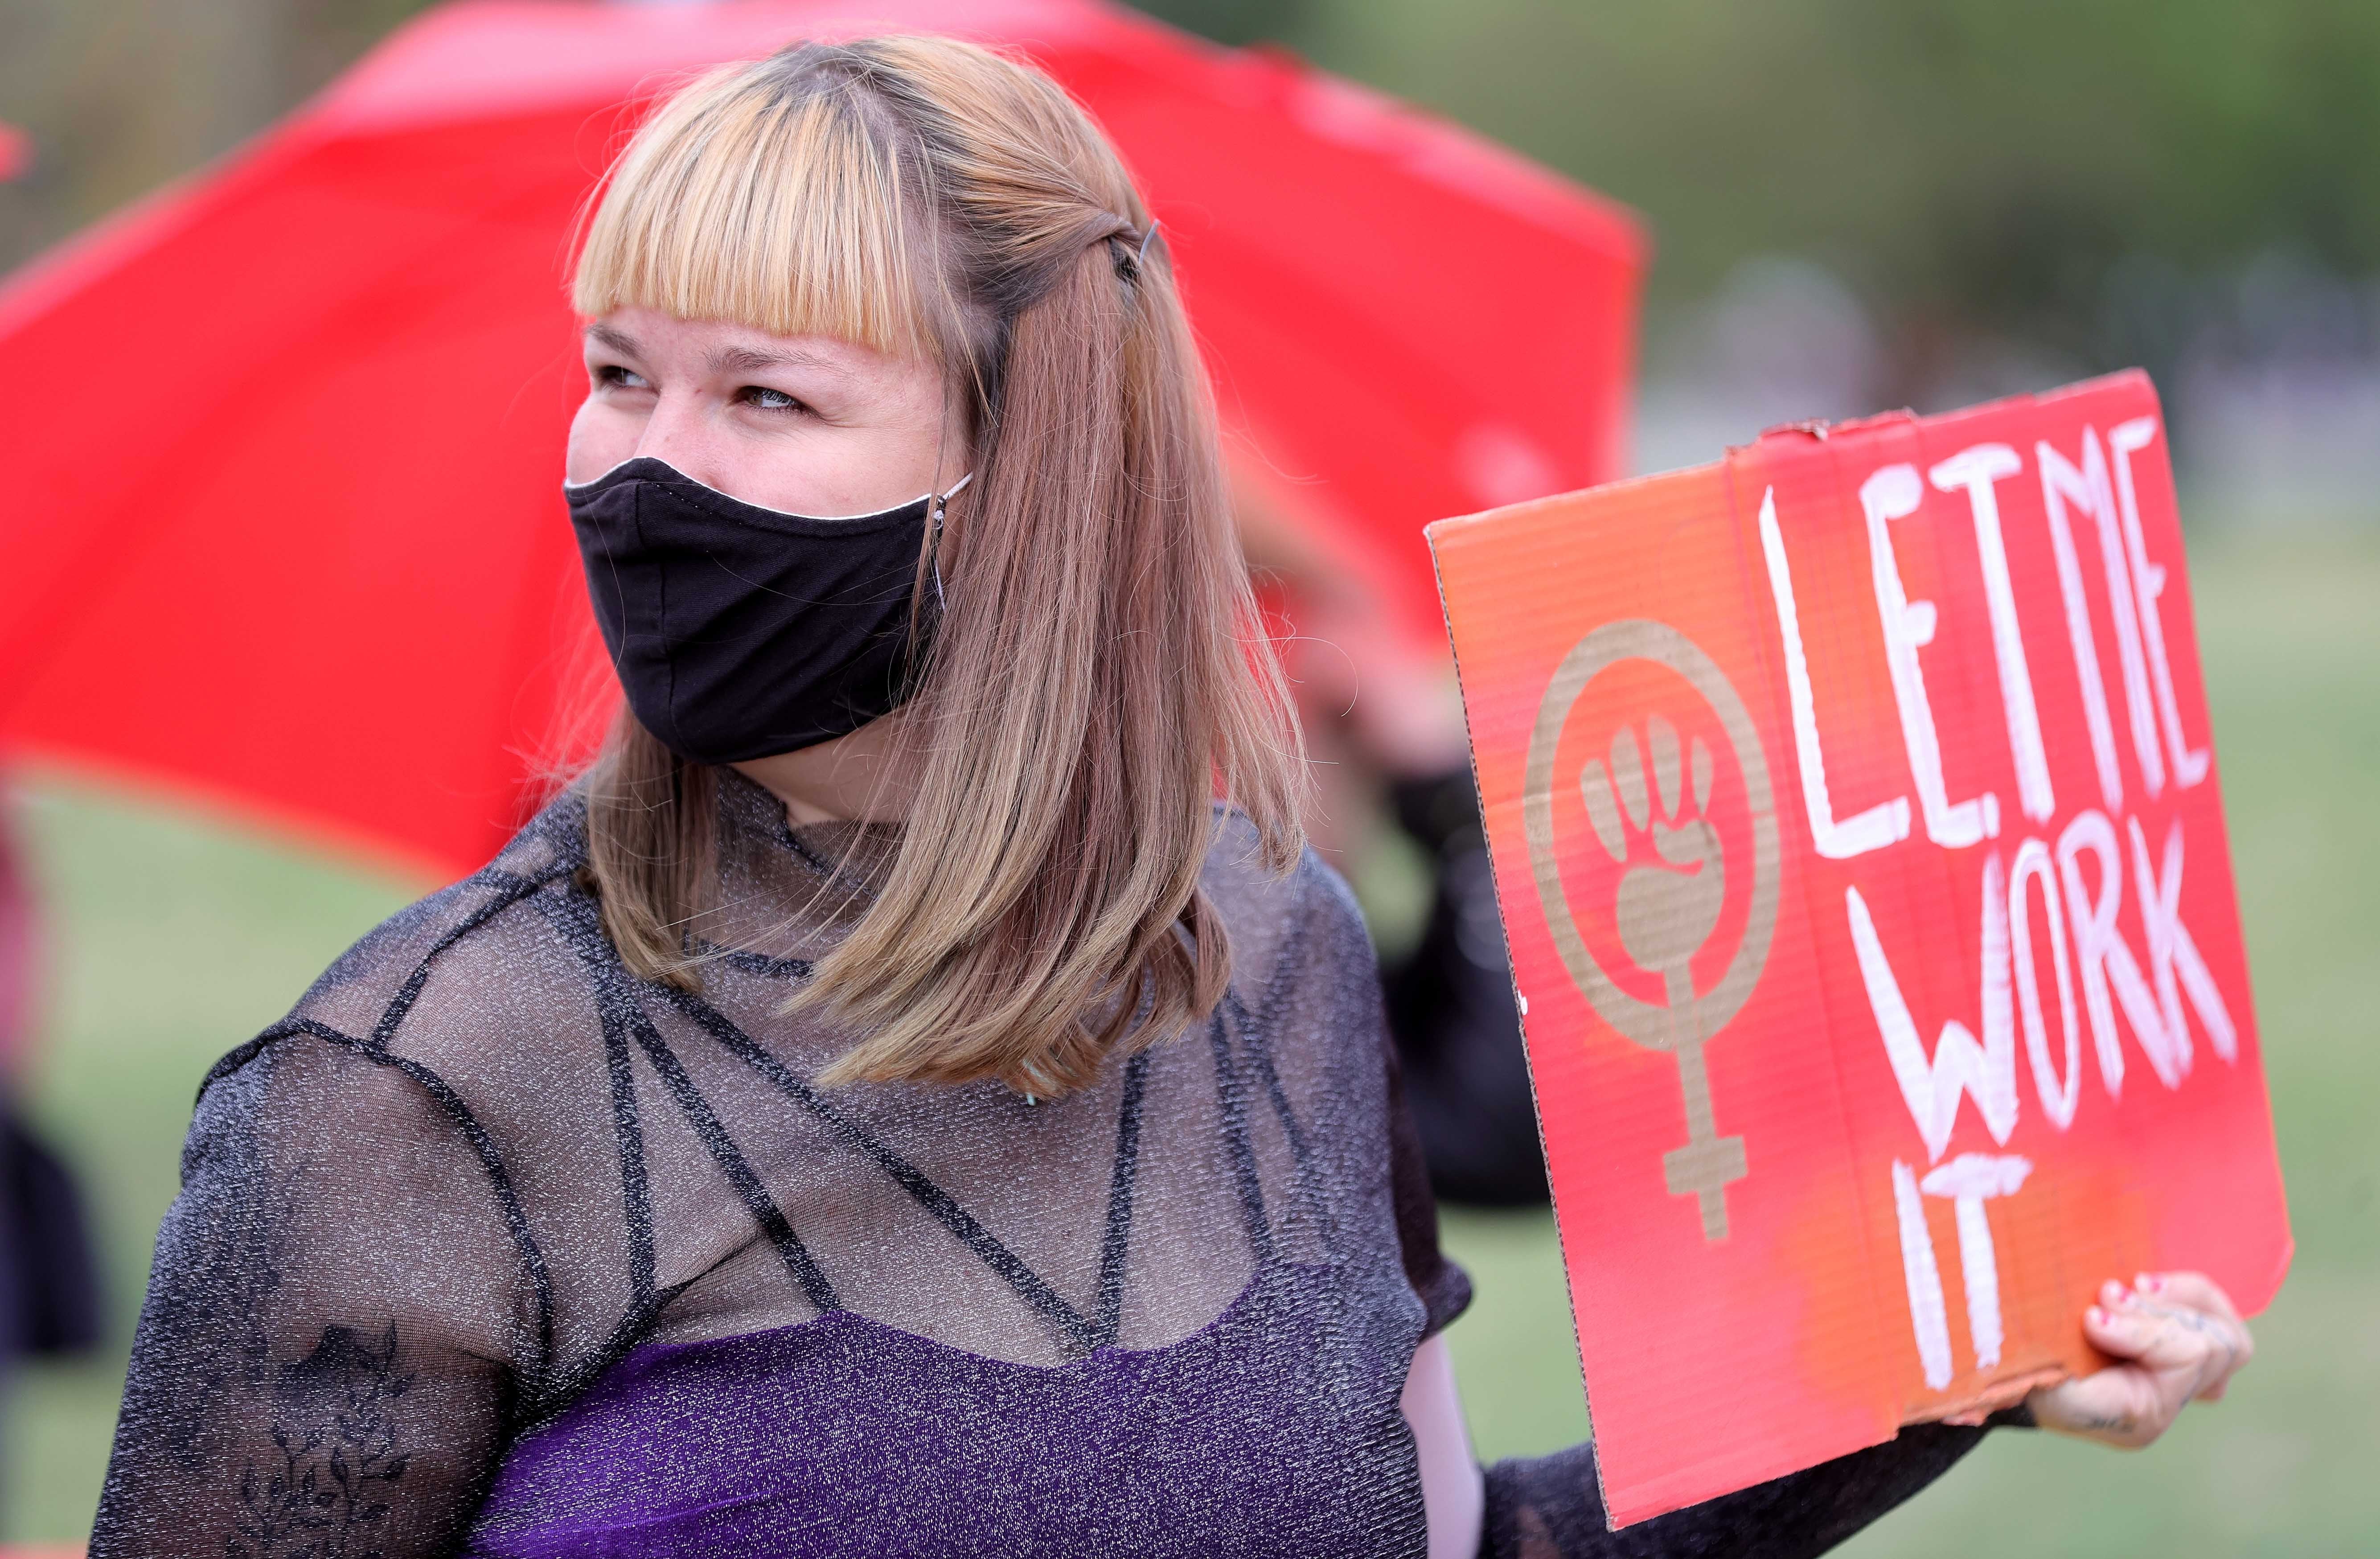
[1129, 264]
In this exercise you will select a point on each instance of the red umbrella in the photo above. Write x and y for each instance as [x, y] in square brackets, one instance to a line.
[286, 439]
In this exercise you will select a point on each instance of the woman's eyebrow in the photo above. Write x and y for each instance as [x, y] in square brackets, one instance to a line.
[618, 340]
[750, 359]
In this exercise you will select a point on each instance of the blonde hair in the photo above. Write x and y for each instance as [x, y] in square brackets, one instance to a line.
[1096, 678]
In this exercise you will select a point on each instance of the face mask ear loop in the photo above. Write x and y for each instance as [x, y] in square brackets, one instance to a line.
[942, 501]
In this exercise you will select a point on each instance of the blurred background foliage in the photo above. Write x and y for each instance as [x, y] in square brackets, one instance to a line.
[2004, 166]
[1856, 204]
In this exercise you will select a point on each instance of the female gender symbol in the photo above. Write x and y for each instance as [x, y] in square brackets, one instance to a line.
[1684, 1022]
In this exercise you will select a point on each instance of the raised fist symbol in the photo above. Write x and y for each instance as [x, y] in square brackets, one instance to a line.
[1666, 904]
[1666, 911]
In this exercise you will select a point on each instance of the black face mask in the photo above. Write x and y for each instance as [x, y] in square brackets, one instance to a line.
[740, 632]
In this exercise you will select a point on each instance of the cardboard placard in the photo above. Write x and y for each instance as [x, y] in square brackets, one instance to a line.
[1859, 839]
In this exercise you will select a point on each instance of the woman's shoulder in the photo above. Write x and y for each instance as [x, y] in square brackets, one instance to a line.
[1304, 1000]
[1295, 925]
[1244, 886]
[439, 990]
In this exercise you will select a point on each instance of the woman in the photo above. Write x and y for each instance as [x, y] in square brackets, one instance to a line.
[884, 1107]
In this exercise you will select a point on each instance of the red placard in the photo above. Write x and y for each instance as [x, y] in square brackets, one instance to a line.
[1860, 844]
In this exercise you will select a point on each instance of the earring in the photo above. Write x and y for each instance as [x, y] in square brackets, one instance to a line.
[941, 501]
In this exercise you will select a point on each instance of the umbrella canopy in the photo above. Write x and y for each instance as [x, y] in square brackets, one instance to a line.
[287, 528]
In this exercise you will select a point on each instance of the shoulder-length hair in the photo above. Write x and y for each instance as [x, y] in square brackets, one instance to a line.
[1098, 678]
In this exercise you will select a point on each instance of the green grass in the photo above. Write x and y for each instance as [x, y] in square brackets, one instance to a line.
[177, 936]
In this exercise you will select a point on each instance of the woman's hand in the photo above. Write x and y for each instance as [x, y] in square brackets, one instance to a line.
[2178, 1338]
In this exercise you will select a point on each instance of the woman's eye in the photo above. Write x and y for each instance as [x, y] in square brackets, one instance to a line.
[767, 400]
[615, 377]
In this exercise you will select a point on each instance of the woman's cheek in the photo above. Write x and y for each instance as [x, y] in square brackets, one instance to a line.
[601, 437]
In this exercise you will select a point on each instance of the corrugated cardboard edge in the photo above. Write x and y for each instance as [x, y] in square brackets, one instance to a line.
[1432, 533]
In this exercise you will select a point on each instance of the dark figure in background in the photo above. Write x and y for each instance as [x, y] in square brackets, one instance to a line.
[49, 1278]
[49, 1274]
[1450, 1010]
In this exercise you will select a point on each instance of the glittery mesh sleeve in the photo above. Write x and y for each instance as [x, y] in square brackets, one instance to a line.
[325, 1358]
[1551, 1507]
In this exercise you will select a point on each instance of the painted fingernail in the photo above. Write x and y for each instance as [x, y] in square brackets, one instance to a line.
[2098, 1317]
[2148, 1283]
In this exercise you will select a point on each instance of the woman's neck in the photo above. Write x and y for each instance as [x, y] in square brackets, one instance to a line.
[857, 778]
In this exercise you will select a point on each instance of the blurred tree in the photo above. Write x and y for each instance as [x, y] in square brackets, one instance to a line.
[119, 95]
[1971, 166]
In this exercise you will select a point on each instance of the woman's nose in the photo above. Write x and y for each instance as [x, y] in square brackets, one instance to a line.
[679, 434]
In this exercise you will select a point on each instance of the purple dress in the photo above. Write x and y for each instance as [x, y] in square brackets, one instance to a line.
[841, 1436]
[491, 1247]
